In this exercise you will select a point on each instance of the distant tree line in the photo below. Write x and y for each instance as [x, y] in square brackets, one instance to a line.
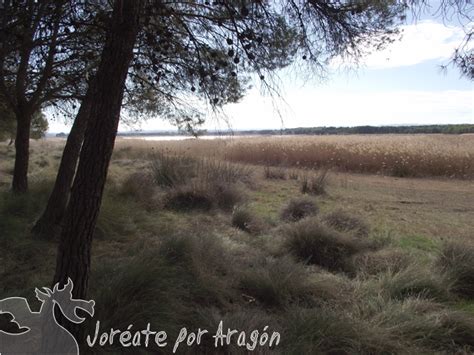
[427, 129]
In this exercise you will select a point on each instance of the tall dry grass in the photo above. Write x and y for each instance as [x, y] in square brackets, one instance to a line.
[422, 155]
[397, 155]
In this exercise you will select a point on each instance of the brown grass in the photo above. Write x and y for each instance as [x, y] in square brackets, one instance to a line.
[396, 155]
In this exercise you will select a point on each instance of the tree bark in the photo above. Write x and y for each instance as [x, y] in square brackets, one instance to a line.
[22, 151]
[50, 221]
[74, 251]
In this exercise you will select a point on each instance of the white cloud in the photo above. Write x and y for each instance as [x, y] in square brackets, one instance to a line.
[335, 108]
[319, 107]
[426, 40]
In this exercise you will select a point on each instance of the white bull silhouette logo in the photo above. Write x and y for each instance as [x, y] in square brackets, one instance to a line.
[39, 332]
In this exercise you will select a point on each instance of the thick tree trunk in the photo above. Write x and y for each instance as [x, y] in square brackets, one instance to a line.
[50, 221]
[22, 148]
[74, 251]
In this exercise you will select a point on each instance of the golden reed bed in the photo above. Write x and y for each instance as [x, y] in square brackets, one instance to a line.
[397, 155]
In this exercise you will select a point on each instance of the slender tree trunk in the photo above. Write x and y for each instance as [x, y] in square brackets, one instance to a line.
[74, 251]
[50, 221]
[22, 148]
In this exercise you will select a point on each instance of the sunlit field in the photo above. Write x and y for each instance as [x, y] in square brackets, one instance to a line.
[341, 244]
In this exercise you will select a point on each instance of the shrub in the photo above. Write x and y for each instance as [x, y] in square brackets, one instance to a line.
[315, 184]
[298, 208]
[244, 219]
[274, 173]
[344, 222]
[457, 260]
[315, 243]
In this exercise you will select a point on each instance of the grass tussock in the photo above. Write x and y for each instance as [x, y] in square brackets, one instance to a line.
[298, 208]
[226, 197]
[384, 260]
[277, 283]
[244, 219]
[199, 184]
[200, 195]
[332, 331]
[172, 170]
[415, 280]
[139, 186]
[162, 285]
[277, 173]
[188, 198]
[314, 184]
[457, 260]
[314, 243]
[116, 218]
[423, 325]
[345, 222]
[21, 253]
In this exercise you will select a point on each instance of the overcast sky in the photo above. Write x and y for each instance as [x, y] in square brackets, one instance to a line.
[400, 85]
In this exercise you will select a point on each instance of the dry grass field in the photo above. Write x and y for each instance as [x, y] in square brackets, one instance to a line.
[339, 253]
[420, 155]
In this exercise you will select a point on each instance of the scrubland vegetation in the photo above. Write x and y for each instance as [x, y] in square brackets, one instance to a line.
[188, 236]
